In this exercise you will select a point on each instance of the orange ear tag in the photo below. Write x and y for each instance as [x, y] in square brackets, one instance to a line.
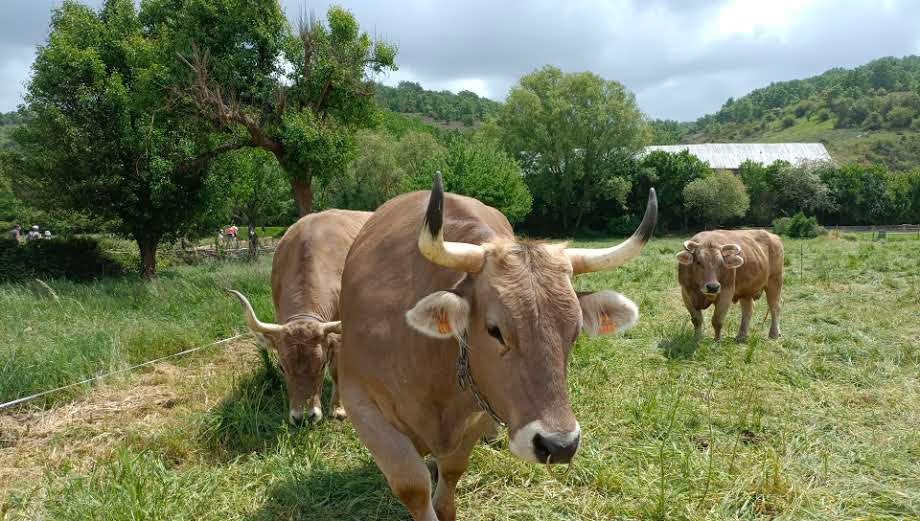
[608, 326]
[443, 323]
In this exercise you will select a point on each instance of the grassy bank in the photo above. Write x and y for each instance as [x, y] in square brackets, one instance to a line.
[58, 332]
[821, 424]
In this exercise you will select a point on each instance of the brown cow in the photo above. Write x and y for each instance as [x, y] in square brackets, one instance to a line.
[306, 282]
[410, 299]
[725, 266]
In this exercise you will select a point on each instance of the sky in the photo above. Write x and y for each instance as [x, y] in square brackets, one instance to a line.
[681, 58]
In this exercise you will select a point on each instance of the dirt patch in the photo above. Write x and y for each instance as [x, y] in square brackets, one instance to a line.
[81, 432]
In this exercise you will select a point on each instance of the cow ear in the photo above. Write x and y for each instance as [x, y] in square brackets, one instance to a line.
[607, 313]
[442, 314]
[685, 258]
[733, 261]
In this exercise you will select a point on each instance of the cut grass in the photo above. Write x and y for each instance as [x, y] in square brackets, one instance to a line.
[820, 424]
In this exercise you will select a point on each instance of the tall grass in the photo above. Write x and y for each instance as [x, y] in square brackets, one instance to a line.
[821, 424]
[57, 332]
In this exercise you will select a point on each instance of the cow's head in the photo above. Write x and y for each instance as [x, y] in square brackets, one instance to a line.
[707, 262]
[302, 347]
[521, 316]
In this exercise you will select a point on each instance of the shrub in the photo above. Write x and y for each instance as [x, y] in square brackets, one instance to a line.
[716, 198]
[800, 226]
[77, 258]
[824, 115]
[781, 225]
[788, 121]
[899, 117]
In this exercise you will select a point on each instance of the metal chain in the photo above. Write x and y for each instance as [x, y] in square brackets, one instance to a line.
[465, 379]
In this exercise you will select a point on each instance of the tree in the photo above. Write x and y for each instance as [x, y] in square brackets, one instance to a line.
[573, 134]
[760, 183]
[716, 198]
[376, 175]
[104, 137]
[668, 174]
[309, 99]
[799, 189]
[247, 185]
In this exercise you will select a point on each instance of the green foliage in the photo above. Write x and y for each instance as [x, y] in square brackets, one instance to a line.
[307, 95]
[576, 136]
[798, 226]
[716, 198]
[249, 187]
[78, 258]
[487, 173]
[668, 131]
[410, 98]
[668, 174]
[378, 173]
[104, 137]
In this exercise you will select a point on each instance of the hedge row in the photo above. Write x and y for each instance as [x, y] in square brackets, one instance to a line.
[77, 258]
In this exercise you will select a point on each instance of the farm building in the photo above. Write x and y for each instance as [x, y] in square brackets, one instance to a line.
[729, 156]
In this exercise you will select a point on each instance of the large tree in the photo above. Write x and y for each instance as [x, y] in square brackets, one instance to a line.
[309, 94]
[572, 133]
[104, 137]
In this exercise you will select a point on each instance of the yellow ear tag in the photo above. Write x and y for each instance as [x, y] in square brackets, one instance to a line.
[443, 323]
[608, 326]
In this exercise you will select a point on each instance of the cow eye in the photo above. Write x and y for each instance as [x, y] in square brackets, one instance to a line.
[496, 334]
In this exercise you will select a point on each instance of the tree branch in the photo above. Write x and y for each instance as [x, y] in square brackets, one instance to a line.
[208, 97]
[205, 158]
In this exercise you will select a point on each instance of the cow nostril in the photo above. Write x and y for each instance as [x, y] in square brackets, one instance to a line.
[315, 415]
[555, 448]
[296, 419]
[712, 288]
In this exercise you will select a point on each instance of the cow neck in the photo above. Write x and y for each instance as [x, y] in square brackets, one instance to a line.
[465, 379]
[303, 316]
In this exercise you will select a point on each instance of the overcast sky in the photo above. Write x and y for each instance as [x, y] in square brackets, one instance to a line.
[682, 58]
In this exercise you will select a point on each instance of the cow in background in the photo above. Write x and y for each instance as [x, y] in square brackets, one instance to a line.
[306, 283]
[725, 266]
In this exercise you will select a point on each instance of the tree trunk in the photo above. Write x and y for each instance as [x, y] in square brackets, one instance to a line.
[303, 195]
[253, 241]
[148, 250]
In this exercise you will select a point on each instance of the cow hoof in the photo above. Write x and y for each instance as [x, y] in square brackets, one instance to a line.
[775, 335]
[741, 339]
[339, 413]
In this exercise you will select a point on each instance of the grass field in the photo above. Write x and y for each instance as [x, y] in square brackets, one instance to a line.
[821, 424]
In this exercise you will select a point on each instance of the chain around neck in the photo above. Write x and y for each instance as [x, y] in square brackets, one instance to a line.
[465, 379]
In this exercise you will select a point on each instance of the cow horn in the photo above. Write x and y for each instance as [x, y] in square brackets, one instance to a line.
[691, 246]
[587, 260]
[460, 256]
[254, 324]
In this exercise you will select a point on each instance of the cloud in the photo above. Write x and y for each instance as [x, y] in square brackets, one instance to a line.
[682, 58]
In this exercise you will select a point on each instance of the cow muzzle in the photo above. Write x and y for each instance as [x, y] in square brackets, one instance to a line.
[712, 289]
[298, 418]
[536, 444]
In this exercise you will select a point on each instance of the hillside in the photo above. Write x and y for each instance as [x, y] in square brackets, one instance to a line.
[444, 108]
[869, 114]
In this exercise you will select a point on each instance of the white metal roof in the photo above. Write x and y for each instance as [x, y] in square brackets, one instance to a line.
[731, 155]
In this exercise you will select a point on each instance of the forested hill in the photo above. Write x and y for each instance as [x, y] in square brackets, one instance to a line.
[8, 121]
[869, 114]
[443, 108]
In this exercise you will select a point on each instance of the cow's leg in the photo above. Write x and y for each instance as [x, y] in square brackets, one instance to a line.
[718, 315]
[394, 454]
[747, 309]
[452, 466]
[696, 316]
[774, 288]
[338, 412]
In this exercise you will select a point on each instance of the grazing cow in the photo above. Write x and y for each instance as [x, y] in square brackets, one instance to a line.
[725, 266]
[306, 282]
[450, 323]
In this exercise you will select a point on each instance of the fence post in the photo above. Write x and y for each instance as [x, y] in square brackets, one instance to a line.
[801, 261]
